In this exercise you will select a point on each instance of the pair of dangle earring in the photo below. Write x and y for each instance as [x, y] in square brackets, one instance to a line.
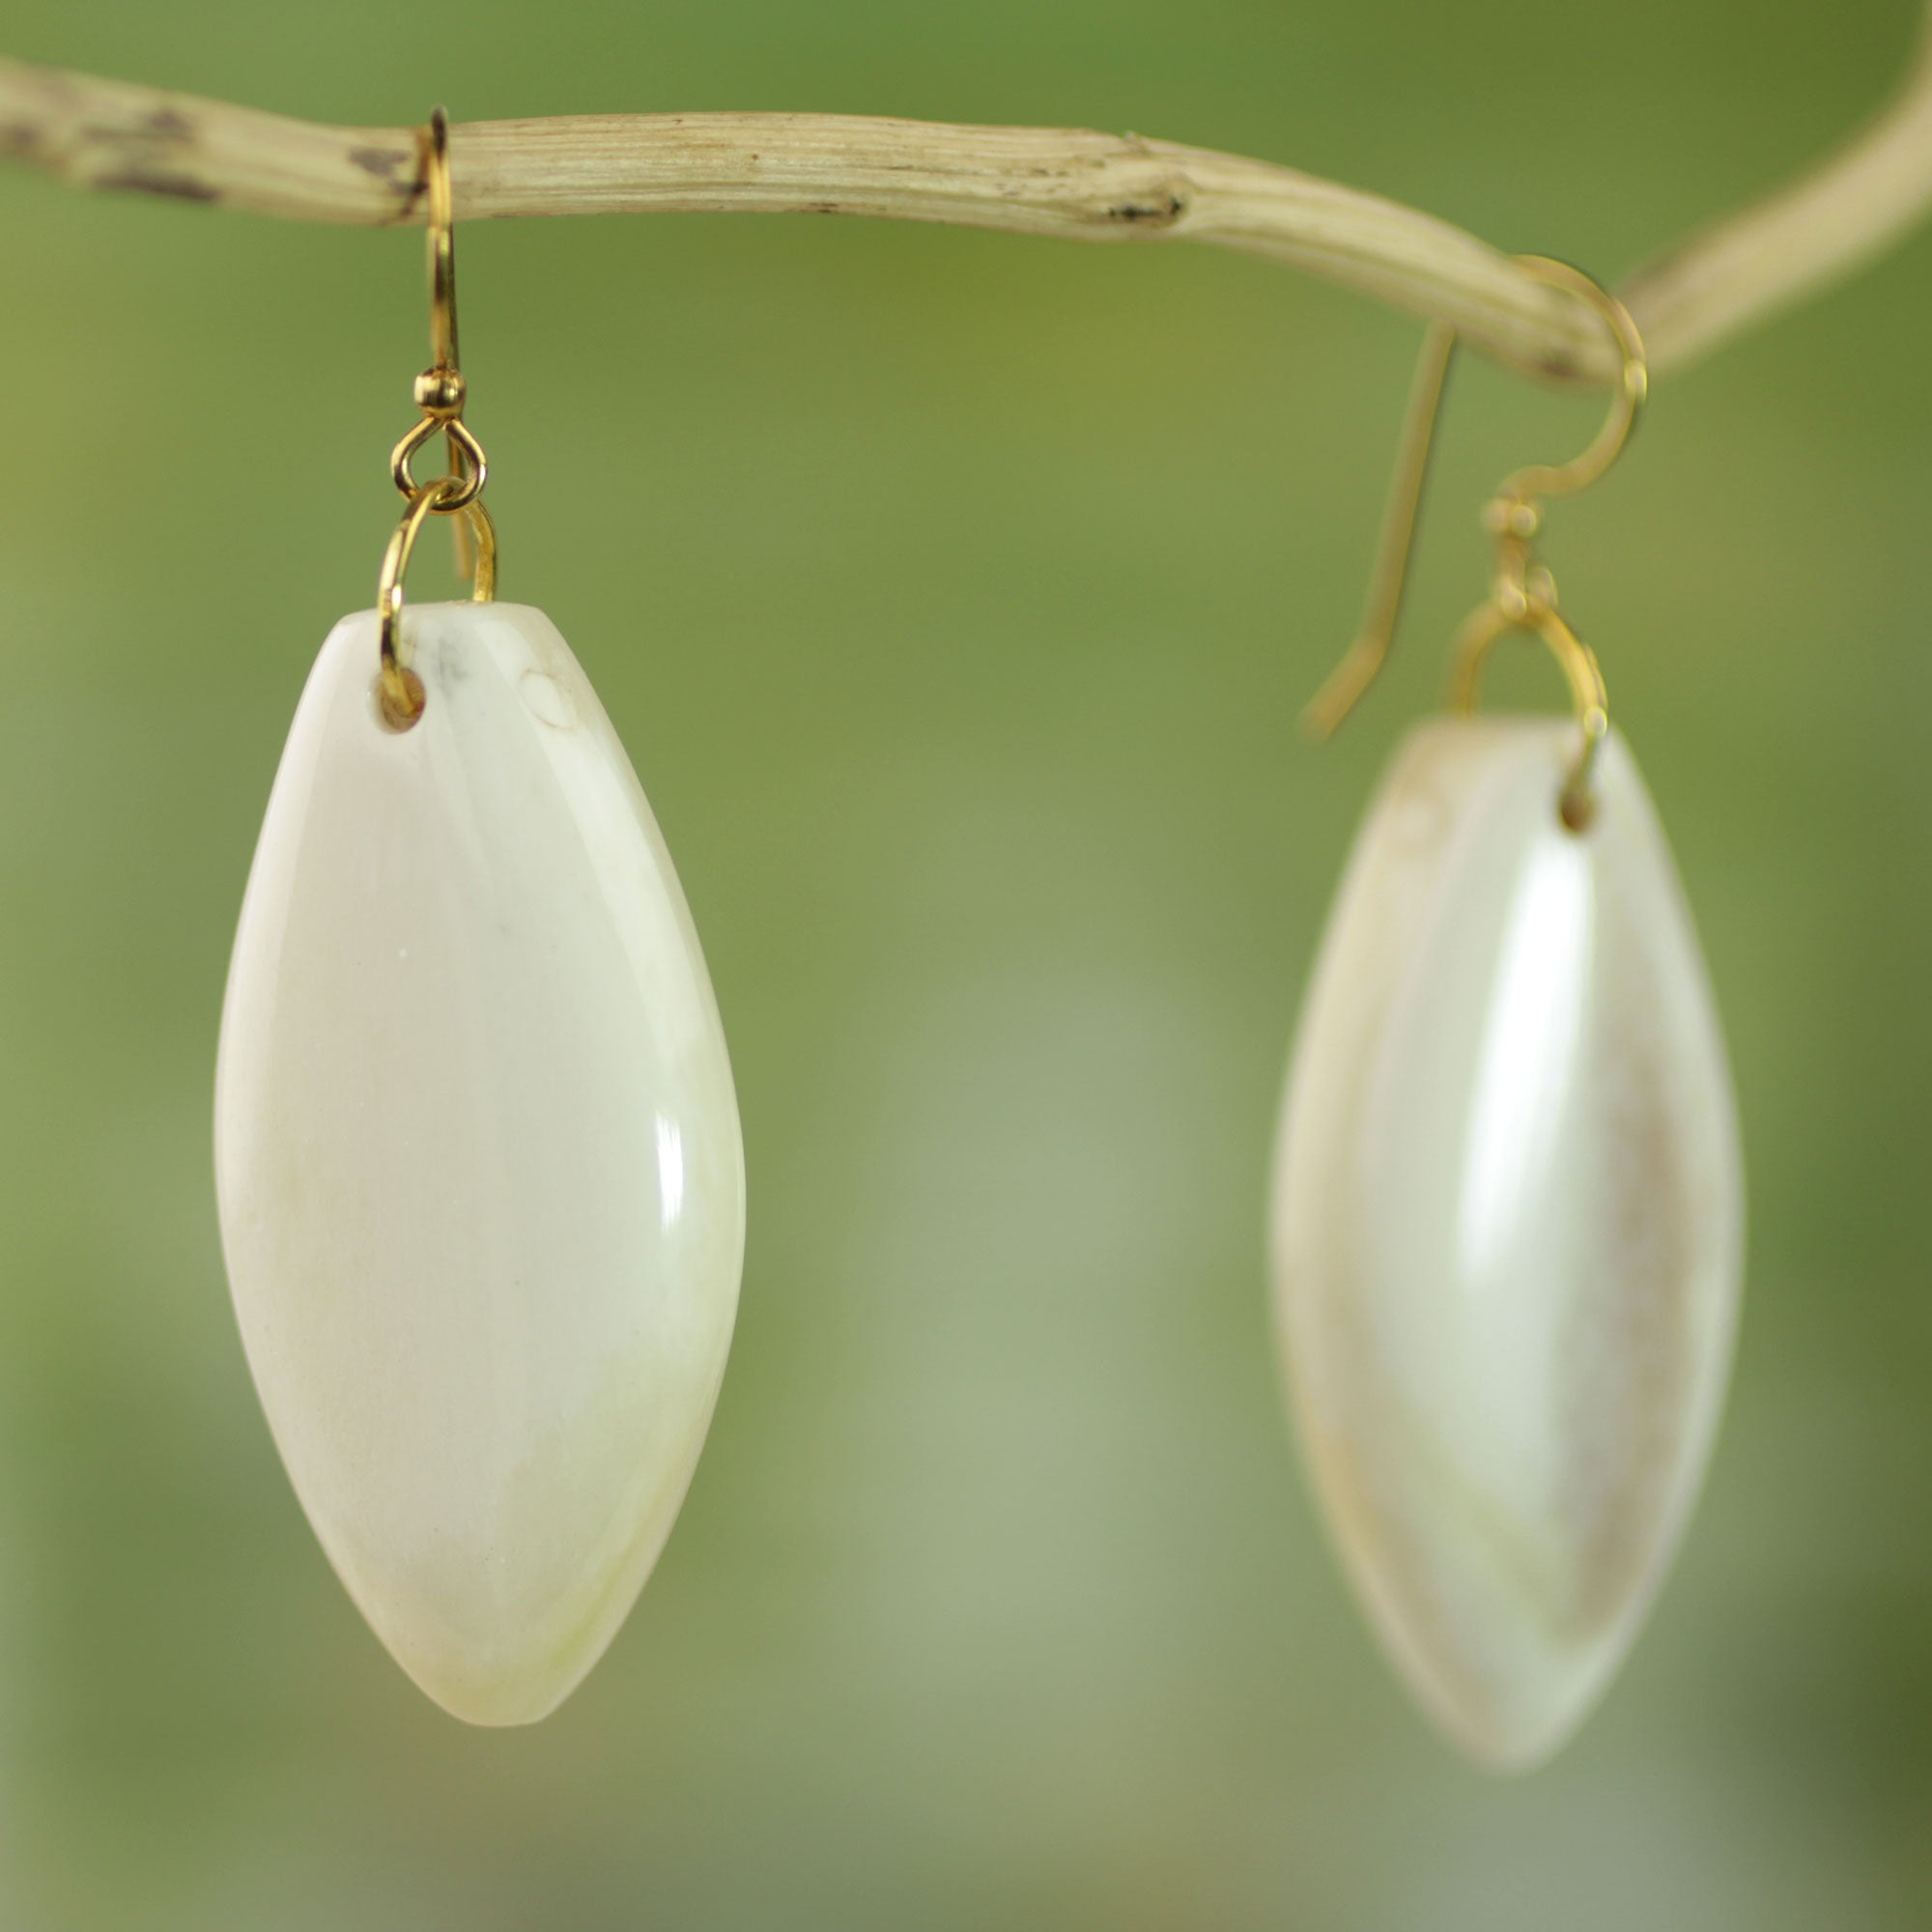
[481, 1181]
[477, 1149]
[1508, 1211]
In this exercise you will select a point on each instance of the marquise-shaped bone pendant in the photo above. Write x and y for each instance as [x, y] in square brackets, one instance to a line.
[1508, 1227]
[478, 1159]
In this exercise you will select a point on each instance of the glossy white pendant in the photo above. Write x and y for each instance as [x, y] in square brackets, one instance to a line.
[1508, 1227]
[478, 1159]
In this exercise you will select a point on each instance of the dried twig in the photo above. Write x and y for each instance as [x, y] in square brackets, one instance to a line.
[1041, 180]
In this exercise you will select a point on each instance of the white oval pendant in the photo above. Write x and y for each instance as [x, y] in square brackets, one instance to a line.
[478, 1159]
[1508, 1226]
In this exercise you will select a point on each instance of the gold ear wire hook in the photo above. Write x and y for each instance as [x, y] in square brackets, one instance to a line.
[1388, 577]
[440, 390]
[1523, 591]
[441, 242]
[439, 394]
[1523, 595]
[1565, 479]
[444, 375]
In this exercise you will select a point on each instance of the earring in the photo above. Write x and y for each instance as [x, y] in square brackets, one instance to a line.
[1507, 1225]
[476, 1144]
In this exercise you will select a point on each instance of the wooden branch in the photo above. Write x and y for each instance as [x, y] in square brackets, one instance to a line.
[1816, 230]
[1041, 180]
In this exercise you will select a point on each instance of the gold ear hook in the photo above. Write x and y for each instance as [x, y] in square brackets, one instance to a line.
[441, 242]
[1343, 687]
[440, 390]
[1524, 595]
[1565, 479]
[439, 394]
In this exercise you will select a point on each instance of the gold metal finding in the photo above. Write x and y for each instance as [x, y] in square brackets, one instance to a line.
[1522, 593]
[439, 394]
[399, 690]
[1579, 661]
[1343, 689]
[467, 460]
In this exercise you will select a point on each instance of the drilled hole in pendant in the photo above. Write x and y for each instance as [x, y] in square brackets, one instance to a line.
[1575, 809]
[400, 697]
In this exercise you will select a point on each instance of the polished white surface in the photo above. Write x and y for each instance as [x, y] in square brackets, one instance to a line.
[1508, 1227]
[478, 1159]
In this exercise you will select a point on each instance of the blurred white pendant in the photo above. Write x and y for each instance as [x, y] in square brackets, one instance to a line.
[1508, 1227]
[477, 1151]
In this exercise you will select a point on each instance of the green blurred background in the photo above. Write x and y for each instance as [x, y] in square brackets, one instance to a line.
[956, 594]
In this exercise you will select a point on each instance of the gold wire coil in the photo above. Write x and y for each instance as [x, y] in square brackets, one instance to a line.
[1522, 595]
[400, 691]
[440, 393]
